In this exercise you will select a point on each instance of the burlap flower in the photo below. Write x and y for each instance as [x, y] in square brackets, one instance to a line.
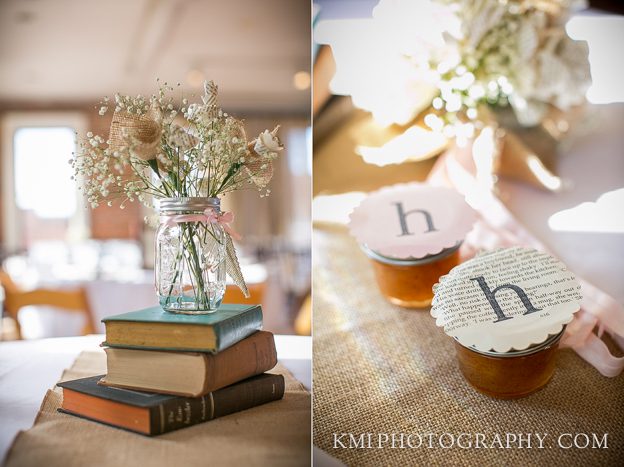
[139, 133]
[259, 163]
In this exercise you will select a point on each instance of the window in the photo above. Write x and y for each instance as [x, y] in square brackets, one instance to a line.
[39, 200]
[299, 152]
[42, 172]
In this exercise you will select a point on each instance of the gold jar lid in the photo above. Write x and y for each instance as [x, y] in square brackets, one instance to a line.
[410, 261]
[550, 341]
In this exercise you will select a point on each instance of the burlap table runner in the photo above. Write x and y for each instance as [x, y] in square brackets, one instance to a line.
[381, 369]
[277, 433]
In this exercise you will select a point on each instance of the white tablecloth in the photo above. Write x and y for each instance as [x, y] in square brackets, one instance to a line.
[29, 368]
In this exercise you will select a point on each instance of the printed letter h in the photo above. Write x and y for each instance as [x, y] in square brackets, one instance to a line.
[490, 295]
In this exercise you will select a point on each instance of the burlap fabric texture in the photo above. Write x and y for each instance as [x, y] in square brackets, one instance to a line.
[277, 433]
[378, 368]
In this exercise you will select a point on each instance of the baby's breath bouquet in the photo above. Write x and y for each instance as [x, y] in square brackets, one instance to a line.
[451, 58]
[512, 53]
[459, 67]
[186, 156]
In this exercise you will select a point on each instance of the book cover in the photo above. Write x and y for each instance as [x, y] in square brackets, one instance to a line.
[154, 414]
[154, 328]
[190, 374]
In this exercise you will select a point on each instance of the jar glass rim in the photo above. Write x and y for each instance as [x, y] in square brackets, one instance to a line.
[410, 261]
[551, 340]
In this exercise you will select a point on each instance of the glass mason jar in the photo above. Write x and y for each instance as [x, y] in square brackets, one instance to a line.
[409, 282]
[190, 255]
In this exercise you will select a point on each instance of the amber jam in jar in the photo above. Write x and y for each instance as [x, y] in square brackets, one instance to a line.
[509, 375]
[409, 282]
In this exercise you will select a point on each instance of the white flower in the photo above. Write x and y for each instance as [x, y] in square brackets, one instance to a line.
[459, 54]
[269, 141]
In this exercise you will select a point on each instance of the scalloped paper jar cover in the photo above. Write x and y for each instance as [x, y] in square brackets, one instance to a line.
[411, 233]
[411, 221]
[506, 300]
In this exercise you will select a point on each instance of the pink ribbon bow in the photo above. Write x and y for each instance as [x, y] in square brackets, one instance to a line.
[210, 215]
[224, 218]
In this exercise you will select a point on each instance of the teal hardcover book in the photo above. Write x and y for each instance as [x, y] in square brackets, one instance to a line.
[154, 328]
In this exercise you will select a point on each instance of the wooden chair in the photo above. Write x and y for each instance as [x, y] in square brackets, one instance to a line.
[256, 294]
[303, 321]
[72, 300]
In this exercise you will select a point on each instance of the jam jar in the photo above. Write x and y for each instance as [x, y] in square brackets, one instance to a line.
[412, 233]
[509, 375]
[507, 310]
[409, 282]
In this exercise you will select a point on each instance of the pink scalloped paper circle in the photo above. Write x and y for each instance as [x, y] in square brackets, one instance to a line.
[461, 304]
[411, 220]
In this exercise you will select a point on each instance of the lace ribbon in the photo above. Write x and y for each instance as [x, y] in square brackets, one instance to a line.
[210, 215]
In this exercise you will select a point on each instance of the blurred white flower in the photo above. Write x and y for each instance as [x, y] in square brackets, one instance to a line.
[459, 54]
[269, 141]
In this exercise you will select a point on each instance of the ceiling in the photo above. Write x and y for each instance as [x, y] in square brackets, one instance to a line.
[67, 51]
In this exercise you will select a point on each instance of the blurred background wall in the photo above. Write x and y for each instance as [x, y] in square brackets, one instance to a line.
[59, 58]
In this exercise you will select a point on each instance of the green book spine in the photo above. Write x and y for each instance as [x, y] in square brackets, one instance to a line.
[235, 329]
[231, 323]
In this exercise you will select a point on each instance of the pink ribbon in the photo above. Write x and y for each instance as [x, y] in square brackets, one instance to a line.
[497, 227]
[210, 215]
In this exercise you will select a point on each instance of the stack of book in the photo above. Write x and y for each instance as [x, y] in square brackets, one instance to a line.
[168, 371]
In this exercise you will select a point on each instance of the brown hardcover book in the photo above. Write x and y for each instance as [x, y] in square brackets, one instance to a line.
[153, 414]
[189, 373]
